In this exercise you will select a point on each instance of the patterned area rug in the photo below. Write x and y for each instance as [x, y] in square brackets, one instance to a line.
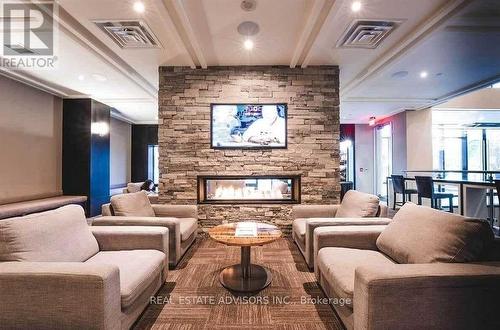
[193, 298]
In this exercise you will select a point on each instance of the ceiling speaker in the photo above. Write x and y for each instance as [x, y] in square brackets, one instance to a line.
[248, 28]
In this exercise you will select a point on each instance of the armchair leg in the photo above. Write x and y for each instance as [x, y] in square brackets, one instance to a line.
[451, 204]
[419, 200]
[394, 202]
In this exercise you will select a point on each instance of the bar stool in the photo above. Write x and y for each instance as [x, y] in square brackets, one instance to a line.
[425, 189]
[398, 187]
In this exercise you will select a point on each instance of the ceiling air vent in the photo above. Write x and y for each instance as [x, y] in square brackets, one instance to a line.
[129, 34]
[366, 33]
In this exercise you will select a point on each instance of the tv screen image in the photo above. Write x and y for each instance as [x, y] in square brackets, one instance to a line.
[249, 125]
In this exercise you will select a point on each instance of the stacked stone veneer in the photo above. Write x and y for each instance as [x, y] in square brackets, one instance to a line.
[312, 95]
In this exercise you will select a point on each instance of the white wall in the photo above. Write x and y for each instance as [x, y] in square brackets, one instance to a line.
[30, 142]
[484, 99]
[120, 139]
[419, 139]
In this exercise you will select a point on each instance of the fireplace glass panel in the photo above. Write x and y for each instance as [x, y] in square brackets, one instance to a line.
[248, 189]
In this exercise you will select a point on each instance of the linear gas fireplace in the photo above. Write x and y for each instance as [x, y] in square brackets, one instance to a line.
[272, 189]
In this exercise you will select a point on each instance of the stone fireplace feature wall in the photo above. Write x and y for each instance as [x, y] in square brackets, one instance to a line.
[312, 95]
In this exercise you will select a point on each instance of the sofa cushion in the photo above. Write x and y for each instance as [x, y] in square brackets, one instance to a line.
[59, 235]
[358, 205]
[138, 269]
[420, 234]
[133, 204]
[187, 227]
[299, 228]
[338, 265]
[134, 187]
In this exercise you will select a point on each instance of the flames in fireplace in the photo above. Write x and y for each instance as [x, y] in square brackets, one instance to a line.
[239, 190]
[249, 189]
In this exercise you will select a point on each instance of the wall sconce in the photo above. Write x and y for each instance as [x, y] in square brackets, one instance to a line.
[372, 121]
[99, 128]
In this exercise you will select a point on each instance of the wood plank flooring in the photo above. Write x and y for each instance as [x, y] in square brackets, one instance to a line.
[193, 298]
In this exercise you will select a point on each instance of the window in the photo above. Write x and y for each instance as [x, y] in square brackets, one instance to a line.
[466, 140]
[493, 149]
[153, 163]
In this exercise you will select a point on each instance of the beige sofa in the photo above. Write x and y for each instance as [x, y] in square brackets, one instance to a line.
[428, 269]
[354, 206]
[134, 209]
[56, 272]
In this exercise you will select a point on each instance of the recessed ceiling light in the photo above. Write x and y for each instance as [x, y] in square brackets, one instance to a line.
[424, 74]
[81, 77]
[99, 77]
[356, 6]
[139, 7]
[248, 44]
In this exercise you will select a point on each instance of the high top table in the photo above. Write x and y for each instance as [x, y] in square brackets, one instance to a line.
[245, 276]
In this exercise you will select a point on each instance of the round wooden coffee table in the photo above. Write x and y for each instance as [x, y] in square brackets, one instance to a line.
[245, 277]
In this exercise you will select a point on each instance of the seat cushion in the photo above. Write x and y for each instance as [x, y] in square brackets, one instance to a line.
[358, 205]
[59, 235]
[338, 265]
[132, 205]
[188, 226]
[420, 234]
[138, 269]
[299, 228]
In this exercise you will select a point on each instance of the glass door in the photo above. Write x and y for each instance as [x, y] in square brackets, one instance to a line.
[383, 158]
[346, 161]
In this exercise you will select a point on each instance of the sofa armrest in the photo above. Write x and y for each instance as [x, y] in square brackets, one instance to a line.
[59, 295]
[106, 209]
[176, 211]
[383, 211]
[115, 238]
[314, 211]
[313, 223]
[354, 237]
[425, 296]
[172, 224]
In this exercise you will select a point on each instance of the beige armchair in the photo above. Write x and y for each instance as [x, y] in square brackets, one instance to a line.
[357, 208]
[425, 270]
[58, 273]
[134, 209]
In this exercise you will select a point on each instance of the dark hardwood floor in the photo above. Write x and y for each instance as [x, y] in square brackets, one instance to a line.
[193, 298]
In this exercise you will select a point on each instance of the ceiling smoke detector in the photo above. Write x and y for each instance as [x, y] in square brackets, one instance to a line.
[248, 29]
[366, 33]
[248, 5]
[129, 34]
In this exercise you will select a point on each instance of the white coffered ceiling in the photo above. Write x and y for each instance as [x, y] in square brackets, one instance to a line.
[456, 42]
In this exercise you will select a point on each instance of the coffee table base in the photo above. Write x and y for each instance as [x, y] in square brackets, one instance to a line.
[258, 278]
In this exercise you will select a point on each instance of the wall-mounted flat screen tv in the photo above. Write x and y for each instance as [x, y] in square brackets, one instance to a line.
[247, 126]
